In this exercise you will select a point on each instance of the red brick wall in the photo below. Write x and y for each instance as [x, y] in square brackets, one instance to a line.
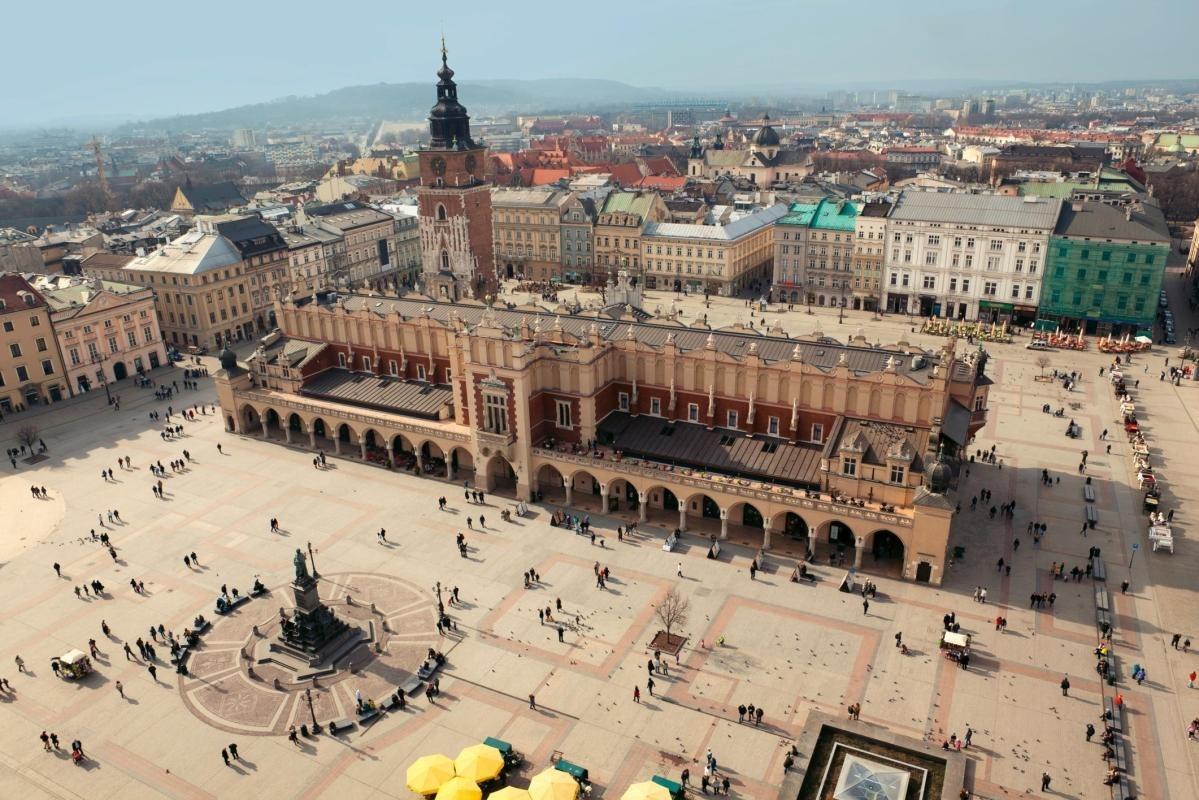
[476, 379]
[543, 417]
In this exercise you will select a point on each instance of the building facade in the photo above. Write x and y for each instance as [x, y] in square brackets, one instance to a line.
[618, 227]
[206, 291]
[814, 245]
[713, 259]
[578, 231]
[106, 331]
[368, 236]
[527, 224]
[866, 264]
[719, 434]
[967, 256]
[1104, 268]
[454, 200]
[31, 368]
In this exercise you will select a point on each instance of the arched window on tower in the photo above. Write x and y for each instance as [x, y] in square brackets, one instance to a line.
[445, 261]
[441, 215]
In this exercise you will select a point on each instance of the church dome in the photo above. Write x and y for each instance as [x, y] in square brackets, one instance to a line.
[449, 124]
[766, 135]
[939, 478]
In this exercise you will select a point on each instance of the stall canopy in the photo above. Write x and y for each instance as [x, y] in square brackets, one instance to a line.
[553, 785]
[428, 773]
[479, 763]
[459, 788]
[646, 790]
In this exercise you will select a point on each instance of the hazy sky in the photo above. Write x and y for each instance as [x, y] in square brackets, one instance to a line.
[66, 59]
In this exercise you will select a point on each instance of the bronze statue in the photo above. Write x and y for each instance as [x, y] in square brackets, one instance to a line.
[301, 566]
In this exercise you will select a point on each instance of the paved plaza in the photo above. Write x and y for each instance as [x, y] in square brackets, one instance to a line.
[788, 648]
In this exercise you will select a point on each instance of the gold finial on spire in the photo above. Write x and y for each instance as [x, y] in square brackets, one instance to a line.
[444, 52]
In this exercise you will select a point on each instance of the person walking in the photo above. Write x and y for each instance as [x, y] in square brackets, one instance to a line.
[649, 685]
[865, 607]
[1065, 684]
[120, 689]
[57, 569]
[679, 569]
[533, 702]
[1045, 780]
[899, 639]
[153, 670]
[233, 751]
[1090, 731]
[20, 662]
[224, 752]
[636, 694]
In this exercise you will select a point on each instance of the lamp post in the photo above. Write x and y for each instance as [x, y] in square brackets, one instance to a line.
[316, 726]
[312, 561]
[99, 359]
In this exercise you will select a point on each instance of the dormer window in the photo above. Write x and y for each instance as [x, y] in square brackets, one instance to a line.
[849, 466]
[897, 473]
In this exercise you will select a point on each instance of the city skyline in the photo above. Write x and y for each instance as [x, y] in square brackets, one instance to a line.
[194, 63]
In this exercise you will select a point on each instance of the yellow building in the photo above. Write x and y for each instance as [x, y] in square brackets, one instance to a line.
[714, 259]
[31, 369]
[527, 229]
[618, 227]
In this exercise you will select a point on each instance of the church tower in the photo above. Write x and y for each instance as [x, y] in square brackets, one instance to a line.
[454, 201]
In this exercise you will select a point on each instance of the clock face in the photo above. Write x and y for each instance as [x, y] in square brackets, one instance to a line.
[470, 163]
[438, 166]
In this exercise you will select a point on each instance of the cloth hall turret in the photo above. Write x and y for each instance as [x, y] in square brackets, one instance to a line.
[454, 200]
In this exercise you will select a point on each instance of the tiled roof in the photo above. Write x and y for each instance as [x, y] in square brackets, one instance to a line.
[214, 197]
[13, 291]
[415, 398]
[823, 353]
[992, 210]
[663, 183]
[1141, 223]
[731, 452]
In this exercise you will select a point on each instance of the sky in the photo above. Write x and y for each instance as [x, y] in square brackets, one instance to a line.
[69, 60]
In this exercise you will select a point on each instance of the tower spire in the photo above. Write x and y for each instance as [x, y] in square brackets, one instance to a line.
[444, 52]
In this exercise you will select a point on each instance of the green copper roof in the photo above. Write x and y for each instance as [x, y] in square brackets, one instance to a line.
[828, 214]
[638, 203]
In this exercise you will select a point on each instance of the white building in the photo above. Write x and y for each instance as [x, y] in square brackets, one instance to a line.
[967, 256]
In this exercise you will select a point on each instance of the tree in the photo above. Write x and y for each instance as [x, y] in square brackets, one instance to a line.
[1042, 362]
[673, 611]
[28, 436]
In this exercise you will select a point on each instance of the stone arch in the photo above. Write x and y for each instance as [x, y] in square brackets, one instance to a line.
[273, 421]
[346, 434]
[500, 477]
[403, 452]
[430, 451]
[584, 489]
[886, 545]
[703, 513]
[792, 527]
[319, 428]
[251, 419]
[441, 215]
[462, 464]
[746, 514]
[551, 484]
[374, 447]
[623, 494]
[295, 423]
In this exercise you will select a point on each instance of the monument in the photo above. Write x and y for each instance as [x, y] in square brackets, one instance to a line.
[312, 625]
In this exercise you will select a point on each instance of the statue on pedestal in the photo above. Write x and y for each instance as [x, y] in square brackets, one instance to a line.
[301, 563]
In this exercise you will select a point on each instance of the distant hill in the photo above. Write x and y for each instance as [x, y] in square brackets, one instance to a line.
[411, 101]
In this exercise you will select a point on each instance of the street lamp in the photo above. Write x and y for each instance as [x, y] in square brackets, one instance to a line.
[97, 358]
[312, 561]
[316, 726]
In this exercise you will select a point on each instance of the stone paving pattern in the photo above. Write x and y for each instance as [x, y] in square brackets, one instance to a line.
[789, 648]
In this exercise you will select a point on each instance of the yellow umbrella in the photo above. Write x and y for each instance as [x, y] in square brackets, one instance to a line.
[479, 762]
[553, 784]
[646, 790]
[459, 788]
[427, 773]
[510, 793]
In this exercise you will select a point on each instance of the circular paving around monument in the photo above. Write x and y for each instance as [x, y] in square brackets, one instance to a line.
[235, 684]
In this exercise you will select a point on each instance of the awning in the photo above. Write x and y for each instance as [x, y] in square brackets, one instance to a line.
[956, 426]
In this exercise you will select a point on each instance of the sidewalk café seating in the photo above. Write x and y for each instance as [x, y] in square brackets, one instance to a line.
[675, 789]
[512, 758]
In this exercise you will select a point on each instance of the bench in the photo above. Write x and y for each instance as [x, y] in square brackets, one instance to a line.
[427, 668]
[368, 714]
[234, 603]
[1103, 619]
[339, 725]
[1102, 599]
[391, 702]
[1092, 516]
[1114, 719]
[1088, 493]
[202, 629]
[411, 686]
[1098, 571]
[181, 656]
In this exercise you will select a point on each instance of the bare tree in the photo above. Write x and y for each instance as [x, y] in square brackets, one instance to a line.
[673, 611]
[28, 436]
[1042, 362]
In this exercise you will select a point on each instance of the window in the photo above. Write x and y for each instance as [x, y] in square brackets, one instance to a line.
[1032, 266]
[496, 408]
[996, 245]
[563, 409]
[894, 279]
[817, 432]
[849, 466]
[930, 259]
[693, 412]
[366, 363]
[930, 282]
[420, 372]
[655, 406]
[1131, 258]
[732, 419]
[969, 261]
[897, 473]
[15, 349]
[1015, 291]
[1105, 255]
[1028, 292]
[1148, 259]
[112, 344]
[1021, 247]
[41, 345]
[1019, 265]
[772, 426]
[147, 334]
[341, 360]
[906, 280]
[957, 241]
[622, 400]
[47, 367]
[990, 288]
[74, 355]
[953, 284]
[7, 326]
[132, 337]
[35, 321]
[22, 374]
[1084, 255]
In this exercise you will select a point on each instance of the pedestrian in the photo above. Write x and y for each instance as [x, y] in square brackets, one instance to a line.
[1065, 684]
[45, 737]
[724, 784]
[224, 752]
[233, 751]
[219, 450]
[1191, 679]
[20, 662]
[741, 713]
[899, 639]
[636, 694]
[57, 569]
[120, 689]
[1090, 731]
[561, 633]
[679, 569]
[532, 702]
[1045, 781]
[865, 607]
[153, 670]
[758, 716]
[1123, 587]
[982, 595]
[1175, 639]
[649, 685]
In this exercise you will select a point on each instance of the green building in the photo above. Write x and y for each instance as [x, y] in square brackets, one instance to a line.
[1104, 269]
